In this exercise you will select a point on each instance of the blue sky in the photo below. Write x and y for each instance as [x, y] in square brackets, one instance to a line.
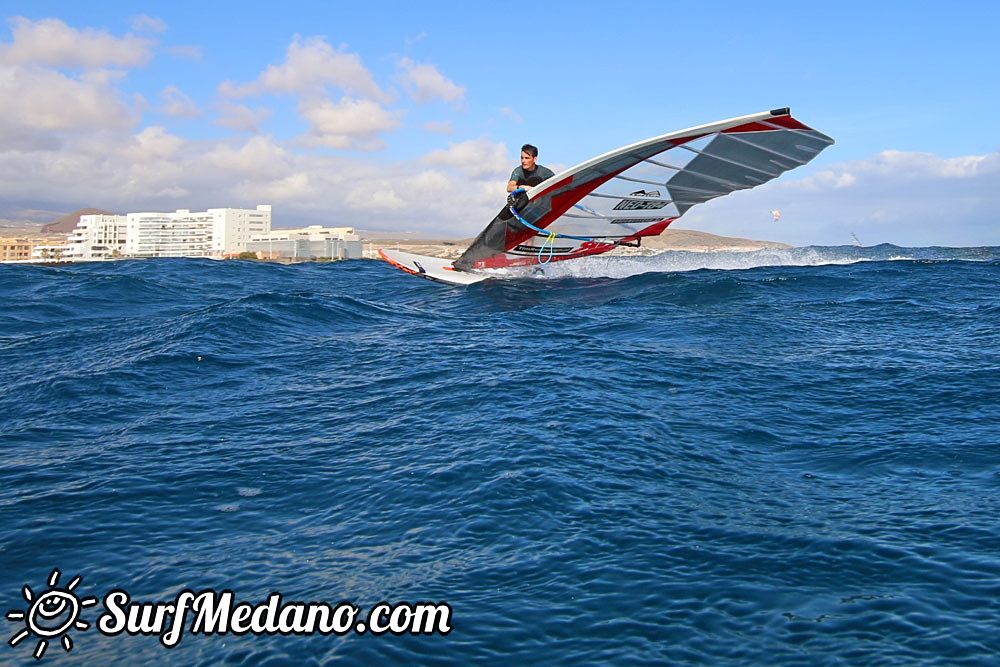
[409, 118]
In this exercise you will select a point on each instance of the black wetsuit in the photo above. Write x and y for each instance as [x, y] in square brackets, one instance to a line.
[533, 177]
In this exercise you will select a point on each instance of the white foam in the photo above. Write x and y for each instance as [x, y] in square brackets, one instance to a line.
[613, 265]
[678, 260]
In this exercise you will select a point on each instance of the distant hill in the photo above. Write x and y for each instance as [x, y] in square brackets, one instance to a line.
[671, 239]
[67, 223]
[690, 239]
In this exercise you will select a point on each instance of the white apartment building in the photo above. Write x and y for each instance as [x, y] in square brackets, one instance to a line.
[307, 242]
[217, 232]
[97, 237]
[312, 232]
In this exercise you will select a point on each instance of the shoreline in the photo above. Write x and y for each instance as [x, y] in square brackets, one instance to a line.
[670, 240]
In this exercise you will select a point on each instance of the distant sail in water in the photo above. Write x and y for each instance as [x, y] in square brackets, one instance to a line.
[776, 213]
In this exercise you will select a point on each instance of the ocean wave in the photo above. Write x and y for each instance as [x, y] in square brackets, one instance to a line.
[603, 266]
[783, 456]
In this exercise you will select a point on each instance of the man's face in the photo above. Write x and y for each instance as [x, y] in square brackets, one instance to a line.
[527, 161]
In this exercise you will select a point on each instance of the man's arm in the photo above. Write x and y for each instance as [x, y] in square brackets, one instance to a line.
[515, 176]
[512, 185]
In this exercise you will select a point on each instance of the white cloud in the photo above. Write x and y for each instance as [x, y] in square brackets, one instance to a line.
[51, 42]
[284, 192]
[260, 157]
[151, 144]
[310, 66]
[39, 105]
[903, 166]
[436, 201]
[154, 170]
[476, 158]
[176, 103]
[427, 84]
[507, 111]
[415, 189]
[185, 51]
[171, 193]
[350, 123]
[242, 118]
[375, 198]
[909, 199]
[410, 41]
[145, 23]
[439, 127]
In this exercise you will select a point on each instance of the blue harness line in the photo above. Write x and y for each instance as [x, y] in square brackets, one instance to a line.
[552, 236]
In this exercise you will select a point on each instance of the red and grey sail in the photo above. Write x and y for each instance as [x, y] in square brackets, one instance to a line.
[636, 191]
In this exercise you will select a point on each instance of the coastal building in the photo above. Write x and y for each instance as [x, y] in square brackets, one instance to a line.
[313, 242]
[13, 250]
[217, 232]
[50, 252]
[97, 237]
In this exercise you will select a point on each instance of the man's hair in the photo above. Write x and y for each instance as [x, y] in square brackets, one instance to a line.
[530, 150]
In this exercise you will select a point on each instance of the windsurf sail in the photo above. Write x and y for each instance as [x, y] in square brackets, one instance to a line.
[637, 191]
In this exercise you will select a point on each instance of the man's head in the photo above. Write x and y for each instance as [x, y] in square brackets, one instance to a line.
[528, 156]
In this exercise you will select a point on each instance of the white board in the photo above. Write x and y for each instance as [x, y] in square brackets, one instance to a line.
[432, 268]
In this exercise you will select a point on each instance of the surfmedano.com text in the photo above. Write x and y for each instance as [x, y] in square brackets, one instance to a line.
[213, 613]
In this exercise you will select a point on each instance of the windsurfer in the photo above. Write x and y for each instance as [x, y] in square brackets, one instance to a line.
[529, 174]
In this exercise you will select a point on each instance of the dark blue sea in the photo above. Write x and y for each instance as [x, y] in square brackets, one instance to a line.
[781, 457]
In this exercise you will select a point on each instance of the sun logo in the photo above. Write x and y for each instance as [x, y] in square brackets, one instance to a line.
[50, 615]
